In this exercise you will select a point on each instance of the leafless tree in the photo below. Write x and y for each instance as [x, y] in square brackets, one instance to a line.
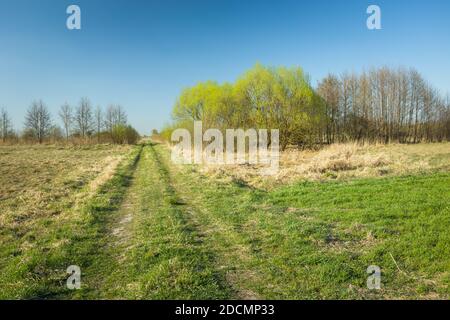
[5, 124]
[66, 116]
[98, 121]
[121, 116]
[114, 116]
[38, 120]
[83, 118]
[384, 105]
[109, 118]
[329, 89]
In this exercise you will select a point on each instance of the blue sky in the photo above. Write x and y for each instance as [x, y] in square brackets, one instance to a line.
[141, 54]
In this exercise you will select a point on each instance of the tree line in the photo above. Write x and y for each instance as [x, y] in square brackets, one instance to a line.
[80, 124]
[382, 105]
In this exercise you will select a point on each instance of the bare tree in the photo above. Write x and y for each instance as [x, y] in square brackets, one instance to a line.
[384, 105]
[109, 118]
[67, 118]
[83, 118]
[38, 120]
[5, 124]
[98, 121]
[121, 116]
[114, 116]
[329, 91]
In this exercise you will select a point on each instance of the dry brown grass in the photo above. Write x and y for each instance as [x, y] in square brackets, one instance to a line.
[39, 181]
[43, 189]
[38, 187]
[341, 161]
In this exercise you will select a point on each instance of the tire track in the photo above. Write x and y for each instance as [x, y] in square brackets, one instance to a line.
[233, 255]
[159, 252]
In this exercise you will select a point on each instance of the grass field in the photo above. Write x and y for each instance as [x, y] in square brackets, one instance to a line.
[140, 227]
[343, 162]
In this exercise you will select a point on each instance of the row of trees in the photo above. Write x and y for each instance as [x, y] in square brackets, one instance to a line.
[384, 105]
[381, 105]
[80, 123]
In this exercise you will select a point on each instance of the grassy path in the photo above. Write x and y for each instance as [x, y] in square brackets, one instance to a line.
[155, 230]
[156, 250]
[181, 235]
[160, 231]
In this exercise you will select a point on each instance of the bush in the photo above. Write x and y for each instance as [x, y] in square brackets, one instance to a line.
[124, 134]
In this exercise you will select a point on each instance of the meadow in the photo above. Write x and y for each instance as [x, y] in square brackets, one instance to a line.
[141, 227]
[41, 188]
[342, 161]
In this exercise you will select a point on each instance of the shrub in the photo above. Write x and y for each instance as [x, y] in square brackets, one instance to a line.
[124, 134]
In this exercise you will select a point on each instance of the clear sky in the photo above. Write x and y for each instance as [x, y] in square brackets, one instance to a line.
[141, 54]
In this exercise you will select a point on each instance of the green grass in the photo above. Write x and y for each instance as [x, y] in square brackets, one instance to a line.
[165, 257]
[159, 231]
[316, 240]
